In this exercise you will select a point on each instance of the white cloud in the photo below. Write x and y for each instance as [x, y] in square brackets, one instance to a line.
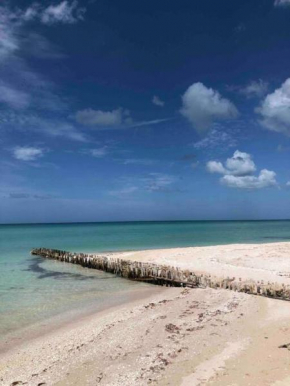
[62, 13]
[275, 109]
[149, 123]
[157, 101]
[20, 196]
[282, 3]
[217, 137]
[13, 97]
[128, 190]
[139, 161]
[158, 182]
[12, 20]
[30, 13]
[8, 32]
[238, 172]
[255, 89]
[23, 86]
[38, 46]
[288, 183]
[27, 153]
[90, 117]
[282, 148]
[99, 153]
[53, 127]
[216, 167]
[202, 106]
[65, 12]
[265, 179]
[241, 164]
[58, 128]
[111, 119]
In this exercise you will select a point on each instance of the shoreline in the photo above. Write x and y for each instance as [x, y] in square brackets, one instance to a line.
[117, 251]
[170, 336]
[67, 319]
[176, 337]
[237, 267]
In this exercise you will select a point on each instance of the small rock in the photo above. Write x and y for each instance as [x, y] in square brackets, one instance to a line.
[287, 345]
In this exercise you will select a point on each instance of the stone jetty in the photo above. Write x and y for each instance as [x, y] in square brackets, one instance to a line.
[164, 275]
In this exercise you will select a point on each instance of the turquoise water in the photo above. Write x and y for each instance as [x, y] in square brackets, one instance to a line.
[33, 289]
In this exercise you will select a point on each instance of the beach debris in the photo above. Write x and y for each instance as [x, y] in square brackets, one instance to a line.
[287, 345]
[100, 377]
[172, 328]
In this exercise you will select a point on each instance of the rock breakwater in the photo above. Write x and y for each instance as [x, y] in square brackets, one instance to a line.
[165, 275]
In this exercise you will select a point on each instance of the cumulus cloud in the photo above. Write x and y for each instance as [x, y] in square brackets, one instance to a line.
[275, 110]
[27, 153]
[238, 172]
[202, 106]
[282, 3]
[90, 117]
[255, 89]
[157, 101]
[241, 164]
[216, 167]
[265, 179]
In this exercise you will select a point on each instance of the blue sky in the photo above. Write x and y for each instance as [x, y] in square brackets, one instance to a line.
[126, 110]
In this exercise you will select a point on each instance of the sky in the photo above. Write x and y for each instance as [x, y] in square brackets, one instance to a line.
[153, 110]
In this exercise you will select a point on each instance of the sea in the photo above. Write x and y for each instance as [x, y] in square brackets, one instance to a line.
[34, 290]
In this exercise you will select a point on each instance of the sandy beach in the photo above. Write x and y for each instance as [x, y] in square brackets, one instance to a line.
[172, 336]
[268, 262]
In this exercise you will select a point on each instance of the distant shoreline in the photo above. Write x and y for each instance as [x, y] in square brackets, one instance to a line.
[147, 221]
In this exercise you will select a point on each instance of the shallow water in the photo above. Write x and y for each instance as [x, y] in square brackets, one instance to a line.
[33, 289]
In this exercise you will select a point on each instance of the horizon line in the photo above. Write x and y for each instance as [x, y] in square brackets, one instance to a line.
[140, 221]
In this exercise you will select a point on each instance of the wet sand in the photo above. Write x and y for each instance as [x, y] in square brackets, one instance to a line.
[172, 336]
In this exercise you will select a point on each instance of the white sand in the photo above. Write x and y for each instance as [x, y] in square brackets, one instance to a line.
[268, 262]
[173, 337]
